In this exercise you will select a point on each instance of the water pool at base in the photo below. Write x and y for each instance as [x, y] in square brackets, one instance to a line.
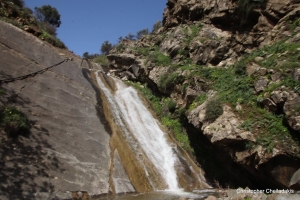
[162, 195]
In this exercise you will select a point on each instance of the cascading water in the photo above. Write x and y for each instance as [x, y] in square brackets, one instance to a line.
[152, 159]
[135, 119]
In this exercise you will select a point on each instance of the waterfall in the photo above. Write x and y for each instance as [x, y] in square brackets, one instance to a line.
[136, 121]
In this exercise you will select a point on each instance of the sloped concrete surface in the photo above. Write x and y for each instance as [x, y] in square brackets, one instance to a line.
[67, 148]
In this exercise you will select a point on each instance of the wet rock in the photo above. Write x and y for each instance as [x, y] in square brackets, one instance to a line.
[295, 180]
[121, 181]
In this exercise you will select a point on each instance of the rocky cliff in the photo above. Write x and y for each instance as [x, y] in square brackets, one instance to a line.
[67, 149]
[228, 71]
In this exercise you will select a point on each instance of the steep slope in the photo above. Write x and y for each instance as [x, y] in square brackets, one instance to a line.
[67, 148]
[228, 71]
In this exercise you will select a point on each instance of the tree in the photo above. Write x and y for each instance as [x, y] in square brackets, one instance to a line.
[85, 55]
[142, 32]
[48, 14]
[120, 39]
[156, 26]
[106, 47]
[130, 36]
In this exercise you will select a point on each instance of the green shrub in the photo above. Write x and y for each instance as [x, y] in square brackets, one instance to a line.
[245, 7]
[166, 81]
[266, 142]
[200, 99]
[295, 24]
[171, 104]
[160, 59]
[214, 109]
[240, 68]
[102, 60]
[180, 135]
[195, 30]
[246, 125]
[52, 40]
[120, 47]
[14, 121]
[142, 51]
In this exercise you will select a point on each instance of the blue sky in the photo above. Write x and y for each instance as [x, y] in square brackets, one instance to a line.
[86, 24]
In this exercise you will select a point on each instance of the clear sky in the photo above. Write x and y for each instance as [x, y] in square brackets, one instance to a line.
[86, 24]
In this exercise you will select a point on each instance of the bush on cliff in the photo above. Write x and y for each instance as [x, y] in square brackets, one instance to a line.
[52, 40]
[13, 121]
[213, 110]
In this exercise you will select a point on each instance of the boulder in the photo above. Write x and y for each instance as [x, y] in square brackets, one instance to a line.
[33, 30]
[157, 72]
[278, 8]
[261, 84]
[225, 130]
[170, 46]
[190, 96]
[252, 68]
[295, 180]
[272, 107]
[121, 60]
[279, 97]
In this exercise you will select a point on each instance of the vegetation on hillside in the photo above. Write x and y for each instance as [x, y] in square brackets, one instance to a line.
[234, 87]
[245, 7]
[42, 23]
[106, 47]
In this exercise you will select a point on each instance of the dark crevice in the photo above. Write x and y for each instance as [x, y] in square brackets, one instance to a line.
[220, 169]
[99, 106]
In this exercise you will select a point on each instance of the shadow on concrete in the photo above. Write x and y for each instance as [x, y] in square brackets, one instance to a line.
[25, 159]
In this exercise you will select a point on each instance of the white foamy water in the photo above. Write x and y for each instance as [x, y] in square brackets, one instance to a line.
[130, 112]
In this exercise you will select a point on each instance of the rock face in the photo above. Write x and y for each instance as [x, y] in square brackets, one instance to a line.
[67, 148]
[198, 35]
